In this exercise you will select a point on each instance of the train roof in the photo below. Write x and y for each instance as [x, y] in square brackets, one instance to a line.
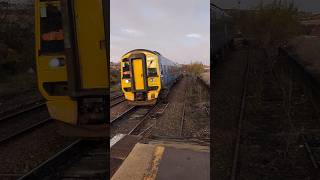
[163, 60]
[153, 52]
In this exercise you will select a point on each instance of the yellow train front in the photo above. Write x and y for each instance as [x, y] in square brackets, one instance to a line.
[147, 76]
[71, 60]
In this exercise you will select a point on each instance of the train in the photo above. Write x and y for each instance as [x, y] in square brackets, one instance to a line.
[71, 59]
[221, 31]
[147, 76]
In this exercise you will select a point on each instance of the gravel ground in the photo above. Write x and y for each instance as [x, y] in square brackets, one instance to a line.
[197, 117]
[226, 92]
[18, 101]
[25, 153]
[271, 147]
[18, 123]
[194, 97]
[119, 109]
[168, 124]
[124, 126]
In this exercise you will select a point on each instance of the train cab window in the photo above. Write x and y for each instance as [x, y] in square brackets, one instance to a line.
[51, 28]
[152, 72]
[126, 69]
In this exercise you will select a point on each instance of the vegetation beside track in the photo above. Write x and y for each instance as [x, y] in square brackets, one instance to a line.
[196, 68]
[270, 24]
[17, 68]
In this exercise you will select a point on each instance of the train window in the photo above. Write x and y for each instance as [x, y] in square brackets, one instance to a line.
[126, 67]
[126, 70]
[152, 72]
[52, 37]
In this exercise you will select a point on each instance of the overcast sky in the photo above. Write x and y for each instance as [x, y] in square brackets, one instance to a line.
[178, 29]
[305, 5]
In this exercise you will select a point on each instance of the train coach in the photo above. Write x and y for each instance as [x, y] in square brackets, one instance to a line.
[147, 76]
[71, 60]
[221, 31]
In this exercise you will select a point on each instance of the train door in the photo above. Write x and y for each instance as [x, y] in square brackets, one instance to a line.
[86, 49]
[138, 74]
[91, 43]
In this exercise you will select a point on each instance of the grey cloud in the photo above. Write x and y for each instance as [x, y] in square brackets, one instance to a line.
[161, 25]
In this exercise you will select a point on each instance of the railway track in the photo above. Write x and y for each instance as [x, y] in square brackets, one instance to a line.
[83, 159]
[18, 123]
[275, 113]
[124, 114]
[132, 121]
[117, 100]
[183, 114]
[312, 146]
[14, 113]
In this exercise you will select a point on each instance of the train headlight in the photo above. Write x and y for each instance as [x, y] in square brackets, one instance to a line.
[151, 79]
[127, 81]
[56, 62]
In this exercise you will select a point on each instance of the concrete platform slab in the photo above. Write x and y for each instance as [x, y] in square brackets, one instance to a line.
[119, 151]
[184, 164]
[163, 160]
[136, 164]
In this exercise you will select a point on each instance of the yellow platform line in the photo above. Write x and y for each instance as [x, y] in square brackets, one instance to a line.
[157, 155]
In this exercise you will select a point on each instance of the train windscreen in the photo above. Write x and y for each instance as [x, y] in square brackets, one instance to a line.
[51, 28]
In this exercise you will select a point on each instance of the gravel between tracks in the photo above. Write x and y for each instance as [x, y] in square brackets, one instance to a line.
[18, 101]
[226, 92]
[277, 112]
[168, 124]
[22, 121]
[25, 153]
[195, 96]
[119, 109]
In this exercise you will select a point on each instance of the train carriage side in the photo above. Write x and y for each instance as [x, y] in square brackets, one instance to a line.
[170, 72]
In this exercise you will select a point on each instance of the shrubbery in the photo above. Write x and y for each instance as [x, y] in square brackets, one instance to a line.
[16, 39]
[195, 68]
[270, 24]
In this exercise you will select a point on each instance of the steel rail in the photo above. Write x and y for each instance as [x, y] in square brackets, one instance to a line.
[241, 117]
[25, 130]
[18, 113]
[116, 102]
[124, 114]
[144, 118]
[183, 114]
[46, 168]
[116, 96]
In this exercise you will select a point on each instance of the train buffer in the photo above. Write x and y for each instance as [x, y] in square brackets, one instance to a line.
[158, 160]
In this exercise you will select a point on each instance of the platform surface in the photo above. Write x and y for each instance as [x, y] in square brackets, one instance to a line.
[120, 148]
[160, 162]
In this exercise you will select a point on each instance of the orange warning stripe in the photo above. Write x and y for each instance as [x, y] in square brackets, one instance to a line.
[53, 36]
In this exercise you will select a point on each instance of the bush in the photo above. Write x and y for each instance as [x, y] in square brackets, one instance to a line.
[271, 24]
[17, 39]
[195, 68]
